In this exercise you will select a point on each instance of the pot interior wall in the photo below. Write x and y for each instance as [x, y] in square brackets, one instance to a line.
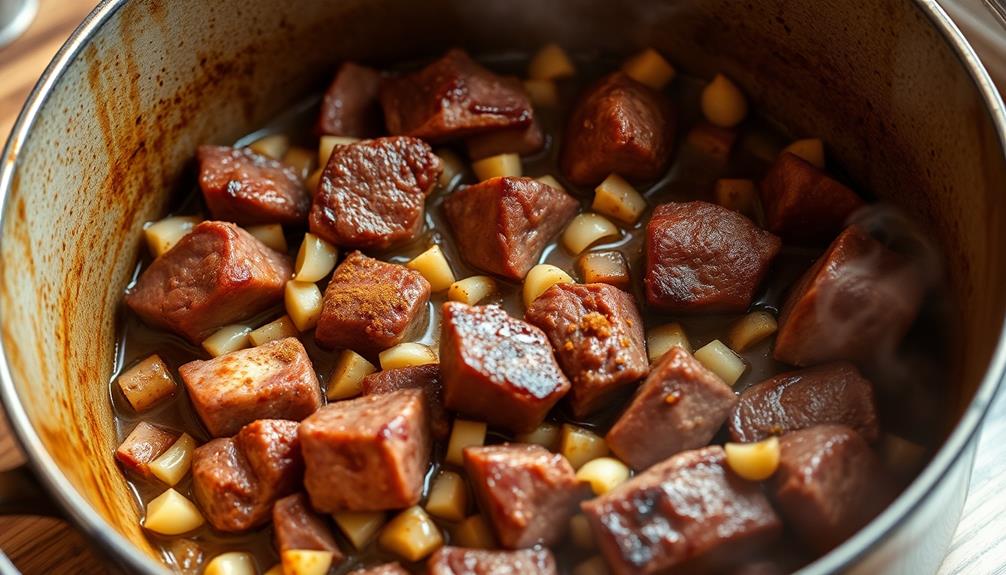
[117, 134]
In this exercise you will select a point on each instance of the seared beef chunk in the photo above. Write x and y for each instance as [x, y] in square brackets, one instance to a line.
[832, 393]
[689, 511]
[275, 380]
[523, 141]
[680, 406]
[502, 224]
[459, 561]
[802, 204]
[527, 492]
[598, 337]
[424, 377]
[237, 479]
[497, 368]
[351, 106]
[371, 193]
[370, 305]
[829, 484]
[618, 126]
[367, 454]
[701, 257]
[713, 142]
[384, 569]
[297, 526]
[451, 98]
[854, 304]
[246, 188]
[144, 444]
[216, 275]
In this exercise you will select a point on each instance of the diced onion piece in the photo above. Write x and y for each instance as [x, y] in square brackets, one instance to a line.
[348, 375]
[306, 561]
[474, 533]
[540, 278]
[147, 383]
[464, 433]
[303, 304]
[723, 103]
[660, 339]
[550, 63]
[586, 230]
[580, 533]
[902, 457]
[751, 329]
[603, 474]
[453, 167]
[328, 144]
[580, 445]
[810, 149]
[616, 198]
[593, 566]
[227, 339]
[163, 235]
[433, 265]
[411, 535]
[448, 497]
[315, 259]
[313, 180]
[545, 435]
[270, 235]
[650, 68]
[359, 526]
[497, 166]
[471, 290]
[543, 93]
[276, 329]
[231, 563]
[301, 160]
[276, 569]
[170, 513]
[753, 461]
[740, 196]
[721, 360]
[172, 465]
[550, 181]
[407, 354]
[273, 146]
[607, 267]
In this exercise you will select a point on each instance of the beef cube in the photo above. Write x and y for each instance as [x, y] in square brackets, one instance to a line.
[829, 484]
[371, 305]
[424, 377]
[526, 492]
[237, 479]
[690, 511]
[497, 368]
[713, 142]
[451, 98]
[383, 569]
[460, 561]
[855, 304]
[372, 193]
[297, 526]
[524, 141]
[275, 380]
[598, 338]
[144, 444]
[503, 224]
[247, 188]
[832, 393]
[216, 275]
[681, 406]
[618, 126]
[701, 257]
[367, 454]
[803, 204]
[351, 106]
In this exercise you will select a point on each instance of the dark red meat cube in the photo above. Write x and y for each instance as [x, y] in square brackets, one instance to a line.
[367, 454]
[502, 224]
[216, 275]
[297, 526]
[832, 393]
[371, 305]
[526, 492]
[598, 338]
[689, 511]
[460, 561]
[496, 368]
[246, 188]
[701, 257]
[681, 406]
[523, 141]
[618, 126]
[712, 141]
[371, 193]
[351, 106]
[451, 98]
[383, 569]
[275, 380]
[144, 444]
[424, 377]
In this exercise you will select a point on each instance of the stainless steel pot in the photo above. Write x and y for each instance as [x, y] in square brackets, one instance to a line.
[105, 137]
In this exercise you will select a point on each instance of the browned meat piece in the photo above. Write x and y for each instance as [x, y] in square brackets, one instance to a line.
[681, 406]
[275, 380]
[367, 454]
[854, 304]
[701, 257]
[350, 106]
[502, 224]
[371, 193]
[618, 126]
[144, 444]
[598, 338]
[216, 275]
[829, 484]
[527, 493]
[371, 305]
[802, 204]
[384, 569]
[689, 511]
[459, 561]
[832, 393]
[451, 98]
[424, 377]
[297, 526]
[713, 142]
[524, 141]
[237, 479]
[497, 368]
[246, 188]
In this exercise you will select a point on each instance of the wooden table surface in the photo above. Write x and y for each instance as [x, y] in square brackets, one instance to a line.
[41, 546]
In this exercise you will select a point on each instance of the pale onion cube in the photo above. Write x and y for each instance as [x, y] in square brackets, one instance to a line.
[328, 144]
[543, 93]
[359, 526]
[411, 535]
[581, 445]
[276, 569]
[497, 166]
[901, 456]
[306, 561]
[580, 533]
[617, 199]
[738, 195]
[170, 513]
[810, 149]
[603, 474]
[227, 339]
[433, 265]
[271, 235]
[407, 354]
[276, 329]
[464, 433]
[753, 461]
[608, 267]
[593, 566]
[172, 465]
[650, 68]
[301, 160]
[448, 497]
[147, 383]
[348, 375]
[303, 304]
[474, 533]
[723, 103]
[586, 230]
[163, 235]
[550, 63]
[453, 167]
[660, 340]
[231, 563]
[540, 278]
[721, 360]
[274, 146]
[550, 181]
[313, 180]
[471, 290]
[751, 329]
[545, 435]
[315, 259]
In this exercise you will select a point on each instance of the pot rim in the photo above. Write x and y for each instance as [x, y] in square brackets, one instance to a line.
[113, 544]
